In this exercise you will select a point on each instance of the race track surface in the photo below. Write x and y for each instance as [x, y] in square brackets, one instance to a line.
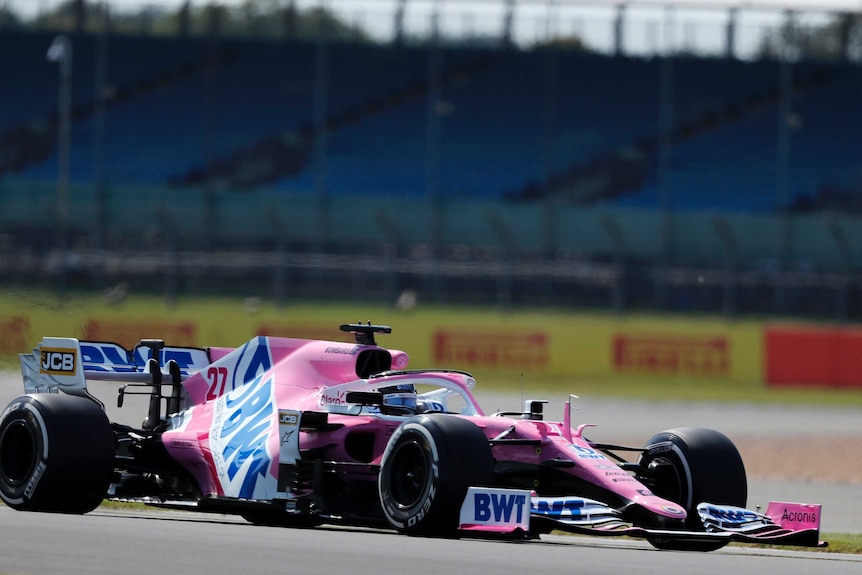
[144, 543]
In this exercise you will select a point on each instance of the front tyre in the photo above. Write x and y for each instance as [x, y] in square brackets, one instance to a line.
[427, 466]
[690, 466]
[56, 454]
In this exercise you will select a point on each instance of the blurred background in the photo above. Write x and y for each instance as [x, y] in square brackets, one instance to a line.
[696, 157]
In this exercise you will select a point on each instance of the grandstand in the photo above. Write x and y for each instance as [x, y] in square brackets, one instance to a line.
[589, 175]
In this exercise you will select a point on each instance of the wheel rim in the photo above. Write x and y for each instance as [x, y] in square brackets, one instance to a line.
[409, 474]
[17, 453]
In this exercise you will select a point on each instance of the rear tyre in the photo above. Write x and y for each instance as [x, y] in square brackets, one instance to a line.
[429, 463]
[56, 454]
[690, 466]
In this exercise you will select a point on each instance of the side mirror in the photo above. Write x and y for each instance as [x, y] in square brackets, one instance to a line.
[534, 409]
[365, 398]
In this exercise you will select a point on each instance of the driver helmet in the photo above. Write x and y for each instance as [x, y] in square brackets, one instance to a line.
[400, 396]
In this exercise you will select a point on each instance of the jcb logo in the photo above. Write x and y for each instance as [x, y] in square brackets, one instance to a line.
[57, 362]
[288, 418]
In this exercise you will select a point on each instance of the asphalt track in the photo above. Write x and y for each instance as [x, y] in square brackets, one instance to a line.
[108, 542]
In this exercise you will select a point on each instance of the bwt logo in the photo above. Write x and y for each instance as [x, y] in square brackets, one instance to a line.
[499, 506]
[732, 515]
[561, 507]
[57, 361]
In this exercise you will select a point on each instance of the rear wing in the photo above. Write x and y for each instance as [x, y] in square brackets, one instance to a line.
[66, 364]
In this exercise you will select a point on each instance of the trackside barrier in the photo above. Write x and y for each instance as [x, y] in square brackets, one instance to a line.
[572, 345]
[14, 335]
[578, 346]
[811, 355]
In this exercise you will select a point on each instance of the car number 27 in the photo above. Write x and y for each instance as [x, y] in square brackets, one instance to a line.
[217, 378]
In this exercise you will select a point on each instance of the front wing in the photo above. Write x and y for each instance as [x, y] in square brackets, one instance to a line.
[517, 511]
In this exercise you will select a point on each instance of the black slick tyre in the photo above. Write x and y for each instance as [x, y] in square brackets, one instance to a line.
[690, 466]
[427, 466]
[56, 454]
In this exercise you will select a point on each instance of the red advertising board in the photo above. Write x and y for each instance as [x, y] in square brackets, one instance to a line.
[14, 335]
[802, 355]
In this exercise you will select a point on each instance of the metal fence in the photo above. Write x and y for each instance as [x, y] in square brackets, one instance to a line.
[747, 30]
[492, 254]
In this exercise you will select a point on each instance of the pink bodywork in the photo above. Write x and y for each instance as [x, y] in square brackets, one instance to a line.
[267, 377]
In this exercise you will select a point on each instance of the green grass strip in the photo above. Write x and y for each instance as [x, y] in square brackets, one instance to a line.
[838, 543]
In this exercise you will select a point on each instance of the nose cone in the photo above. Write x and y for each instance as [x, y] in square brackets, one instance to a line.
[659, 506]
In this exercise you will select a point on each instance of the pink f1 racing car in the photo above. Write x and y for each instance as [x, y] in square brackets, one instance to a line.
[301, 432]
